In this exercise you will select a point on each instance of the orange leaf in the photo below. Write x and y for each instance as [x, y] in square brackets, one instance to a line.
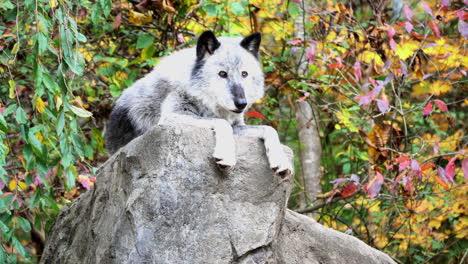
[442, 183]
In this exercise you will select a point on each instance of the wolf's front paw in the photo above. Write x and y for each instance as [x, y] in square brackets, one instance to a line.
[225, 158]
[280, 163]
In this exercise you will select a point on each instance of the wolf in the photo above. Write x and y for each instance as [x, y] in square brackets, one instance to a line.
[210, 85]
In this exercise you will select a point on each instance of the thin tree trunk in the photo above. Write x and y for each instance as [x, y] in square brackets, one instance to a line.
[310, 148]
[309, 153]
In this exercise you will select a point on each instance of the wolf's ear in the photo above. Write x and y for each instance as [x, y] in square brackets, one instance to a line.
[207, 43]
[252, 43]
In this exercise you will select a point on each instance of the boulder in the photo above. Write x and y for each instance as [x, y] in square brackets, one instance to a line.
[162, 199]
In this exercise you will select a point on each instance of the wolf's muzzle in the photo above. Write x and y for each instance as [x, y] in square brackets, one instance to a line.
[240, 103]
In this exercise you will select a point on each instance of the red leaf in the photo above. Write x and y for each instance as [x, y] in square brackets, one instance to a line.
[434, 28]
[408, 26]
[86, 184]
[357, 70]
[311, 53]
[392, 44]
[348, 190]
[463, 28]
[445, 3]
[373, 187]
[465, 169]
[436, 147]
[364, 99]
[338, 64]
[428, 109]
[408, 12]
[383, 105]
[117, 21]
[404, 165]
[416, 167]
[450, 170]
[426, 8]
[441, 105]
[295, 41]
[391, 32]
[255, 114]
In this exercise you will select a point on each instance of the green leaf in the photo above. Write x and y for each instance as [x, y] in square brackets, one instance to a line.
[42, 43]
[3, 124]
[35, 143]
[60, 123]
[76, 62]
[24, 224]
[144, 40]
[10, 109]
[3, 256]
[3, 227]
[21, 117]
[70, 174]
[96, 14]
[237, 9]
[148, 52]
[80, 112]
[49, 83]
[81, 38]
[6, 5]
[210, 9]
[18, 246]
[294, 10]
[106, 6]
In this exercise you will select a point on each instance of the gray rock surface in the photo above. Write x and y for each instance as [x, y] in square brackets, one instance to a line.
[161, 199]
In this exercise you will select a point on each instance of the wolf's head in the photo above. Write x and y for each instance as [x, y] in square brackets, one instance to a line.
[227, 72]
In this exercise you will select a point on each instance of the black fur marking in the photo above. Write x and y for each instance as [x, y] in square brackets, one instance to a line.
[120, 130]
[252, 43]
[207, 43]
[197, 67]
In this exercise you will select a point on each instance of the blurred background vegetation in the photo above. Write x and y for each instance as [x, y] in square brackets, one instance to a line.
[371, 95]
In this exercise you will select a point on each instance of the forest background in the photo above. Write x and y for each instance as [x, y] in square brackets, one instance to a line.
[371, 95]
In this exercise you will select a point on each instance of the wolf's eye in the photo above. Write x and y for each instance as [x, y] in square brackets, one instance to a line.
[244, 74]
[222, 74]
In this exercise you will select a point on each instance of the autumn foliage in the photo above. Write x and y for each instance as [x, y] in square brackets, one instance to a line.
[386, 79]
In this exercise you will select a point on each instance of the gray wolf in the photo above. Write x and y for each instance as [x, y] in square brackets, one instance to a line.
[210, 85]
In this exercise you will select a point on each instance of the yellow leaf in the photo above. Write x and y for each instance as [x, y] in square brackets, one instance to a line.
[15, 48]
[39, 136]
[12, 185]
[440, 87]
[434, 223]
[344, 117]
[421, 88]
[369, 57]
[12, 89]
[22, 185]
[40, 106]
[53, 3]
[139, 18]
[405, 49]
[58, 102]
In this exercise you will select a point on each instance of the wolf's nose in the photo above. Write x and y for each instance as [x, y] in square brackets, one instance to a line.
[240, 103]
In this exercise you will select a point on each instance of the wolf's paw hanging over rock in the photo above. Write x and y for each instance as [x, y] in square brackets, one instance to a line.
[225, 157]
[279, 163]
